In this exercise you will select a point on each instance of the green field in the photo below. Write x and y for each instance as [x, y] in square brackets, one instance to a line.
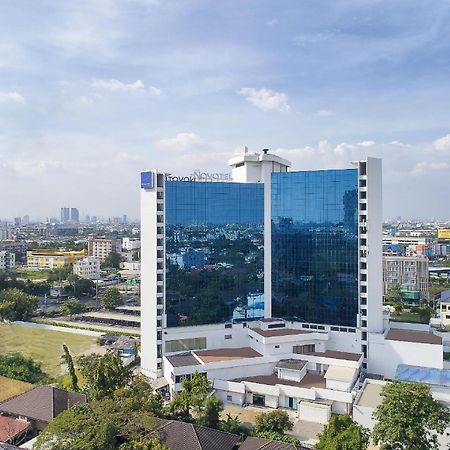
[33, 275]
[44, 346]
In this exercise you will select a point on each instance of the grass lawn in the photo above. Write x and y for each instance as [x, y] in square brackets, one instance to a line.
[44, 346]
[33, 275]
[407, 316]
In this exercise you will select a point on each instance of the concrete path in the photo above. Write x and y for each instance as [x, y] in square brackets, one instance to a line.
[56, 328]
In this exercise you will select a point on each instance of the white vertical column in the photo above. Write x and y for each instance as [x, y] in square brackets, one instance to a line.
[266, 177]
[149, 357]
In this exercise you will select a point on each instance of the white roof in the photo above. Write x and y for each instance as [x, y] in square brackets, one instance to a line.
[340, 373]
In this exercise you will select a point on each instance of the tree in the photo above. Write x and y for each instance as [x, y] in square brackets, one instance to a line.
[103, 374]
[209, 413]
[231, 424]
[79, 286]
[409, 418]
[272, 425]
[112, 298]
[71, 307]
[19, 367]
[276, 421]
[16, 305]
[113, 260]
[110, 424]
[194, 403]
[70, 366]
[394, 295]
[342, 433]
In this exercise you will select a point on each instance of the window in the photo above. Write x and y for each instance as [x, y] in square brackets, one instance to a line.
[215, 230]
[228, 325]
[228, 336]
[179, 345]
[229, 398]
[315, 243]
[301, 349]
[277, 346]
[276, 325]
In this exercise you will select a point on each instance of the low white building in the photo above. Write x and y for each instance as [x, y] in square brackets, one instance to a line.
[369, 397]
[7, 260]
[88, 267]
[131, 244]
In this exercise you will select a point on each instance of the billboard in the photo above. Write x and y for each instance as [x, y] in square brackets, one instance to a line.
[147, 180]
[444, 233]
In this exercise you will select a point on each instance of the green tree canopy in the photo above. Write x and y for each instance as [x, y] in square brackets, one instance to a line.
[67, 357]
[273, 425]
[113, 260]
[16, 305]
[409, 418]
[19, 367]
[342, 433]
[194, 403]
[105, 424]
[103, 374]
[112, 298]
[70, 307]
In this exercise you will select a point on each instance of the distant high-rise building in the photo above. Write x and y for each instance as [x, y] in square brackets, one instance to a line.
[17, 221]
[125, 219]
[74, 215]
[25, 220]
[65, 215]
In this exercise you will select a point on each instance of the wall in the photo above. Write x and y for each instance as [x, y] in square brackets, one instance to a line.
[344, 342]
[311, 412]
[386, 355]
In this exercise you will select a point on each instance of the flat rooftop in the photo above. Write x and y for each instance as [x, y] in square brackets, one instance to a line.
[226, 354]
[337, 355]
[421, 337]
[308, 381]
[183, 359]
[279, 332]
[371, 396]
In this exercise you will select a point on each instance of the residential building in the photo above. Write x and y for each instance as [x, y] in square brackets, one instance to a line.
[40, 405]
[270, 284]
[74, 215]
[5, 233]
[408, 272]
[7, 260]
[65, 215]
[88, 267]
[52, 259]
[101, 247]
[131, 244]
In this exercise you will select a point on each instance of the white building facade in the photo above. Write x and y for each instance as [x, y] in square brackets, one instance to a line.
[7, 260]
[217, 257]
[88, 267]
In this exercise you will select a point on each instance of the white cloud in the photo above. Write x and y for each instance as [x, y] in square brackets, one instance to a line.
[366, 143]
[442, 144]
[325, 113]
[266, 99]
[181, 142]
[272, 22]
[114, 85]
[425, 168]
[11, 97]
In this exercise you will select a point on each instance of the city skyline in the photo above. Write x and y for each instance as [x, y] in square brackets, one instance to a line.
[107, 88]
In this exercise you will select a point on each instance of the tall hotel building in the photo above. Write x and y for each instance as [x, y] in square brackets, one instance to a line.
[270, 265]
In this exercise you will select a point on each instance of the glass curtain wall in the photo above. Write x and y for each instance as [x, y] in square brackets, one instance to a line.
[214, 252]
[315, 246]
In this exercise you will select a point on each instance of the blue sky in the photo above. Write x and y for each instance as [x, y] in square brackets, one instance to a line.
[93, 91]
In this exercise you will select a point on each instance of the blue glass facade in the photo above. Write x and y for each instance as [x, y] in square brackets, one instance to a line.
[315, 246]
[214, 252]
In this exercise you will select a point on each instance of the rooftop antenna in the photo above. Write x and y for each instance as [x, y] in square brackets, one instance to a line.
[245, 149]
[265, 151]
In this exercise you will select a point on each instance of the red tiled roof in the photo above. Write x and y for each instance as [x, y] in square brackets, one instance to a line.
[224, 354]
[421, 337]
[337, 355]
[279, 332]
[308, 381]
[10, 428]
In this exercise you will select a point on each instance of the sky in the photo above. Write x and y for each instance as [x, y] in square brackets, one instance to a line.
[93, 91]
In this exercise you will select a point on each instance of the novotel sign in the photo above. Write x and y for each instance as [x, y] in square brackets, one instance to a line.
[198, 175]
